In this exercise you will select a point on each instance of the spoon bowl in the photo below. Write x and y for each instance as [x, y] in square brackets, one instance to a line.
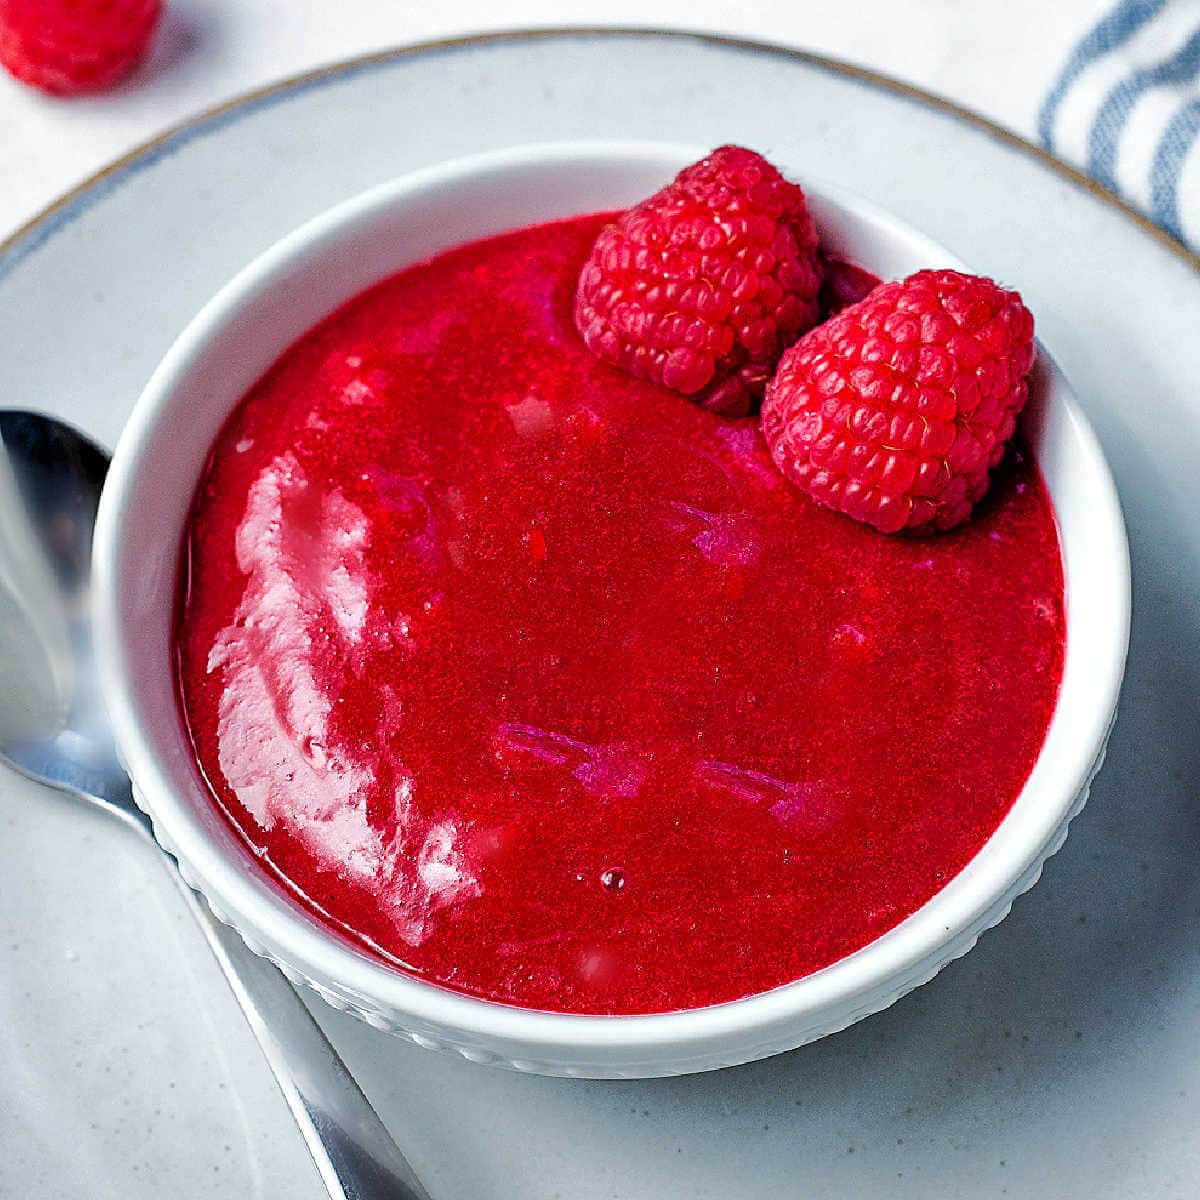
[53, 725]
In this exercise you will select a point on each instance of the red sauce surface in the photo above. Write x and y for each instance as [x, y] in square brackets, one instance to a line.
[542, 683]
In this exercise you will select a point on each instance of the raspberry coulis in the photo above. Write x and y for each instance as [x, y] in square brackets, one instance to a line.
[542, 683]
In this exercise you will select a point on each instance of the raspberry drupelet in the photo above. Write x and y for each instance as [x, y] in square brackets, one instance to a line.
[703, 285]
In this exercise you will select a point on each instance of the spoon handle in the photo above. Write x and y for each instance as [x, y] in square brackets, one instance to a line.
[353, 1151]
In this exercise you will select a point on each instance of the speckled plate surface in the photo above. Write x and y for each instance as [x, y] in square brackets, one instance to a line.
[1061, 1058]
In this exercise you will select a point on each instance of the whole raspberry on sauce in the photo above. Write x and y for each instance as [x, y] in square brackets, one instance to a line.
[69, 46]
[701, 286]
[895, 411]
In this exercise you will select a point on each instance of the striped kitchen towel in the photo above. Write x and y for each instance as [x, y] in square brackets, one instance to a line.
[1126, 109]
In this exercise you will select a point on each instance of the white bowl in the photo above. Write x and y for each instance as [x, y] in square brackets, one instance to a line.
[162, 453]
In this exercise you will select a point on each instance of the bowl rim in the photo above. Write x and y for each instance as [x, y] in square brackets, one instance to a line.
[269, 919]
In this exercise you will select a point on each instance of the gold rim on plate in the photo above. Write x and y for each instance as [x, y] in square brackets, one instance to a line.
[834, 66]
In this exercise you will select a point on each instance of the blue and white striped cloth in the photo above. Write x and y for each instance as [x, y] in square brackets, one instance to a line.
[1126, 109]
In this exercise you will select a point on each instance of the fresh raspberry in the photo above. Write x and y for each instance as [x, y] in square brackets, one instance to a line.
[66, 46]
[895, 410]
[701, 286]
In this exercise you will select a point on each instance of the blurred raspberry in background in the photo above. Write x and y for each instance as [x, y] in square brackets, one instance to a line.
[70, 46]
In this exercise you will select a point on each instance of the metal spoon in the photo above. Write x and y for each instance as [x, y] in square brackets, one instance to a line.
[53, 728]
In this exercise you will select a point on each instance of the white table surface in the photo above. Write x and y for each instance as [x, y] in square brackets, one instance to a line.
[996, 58]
